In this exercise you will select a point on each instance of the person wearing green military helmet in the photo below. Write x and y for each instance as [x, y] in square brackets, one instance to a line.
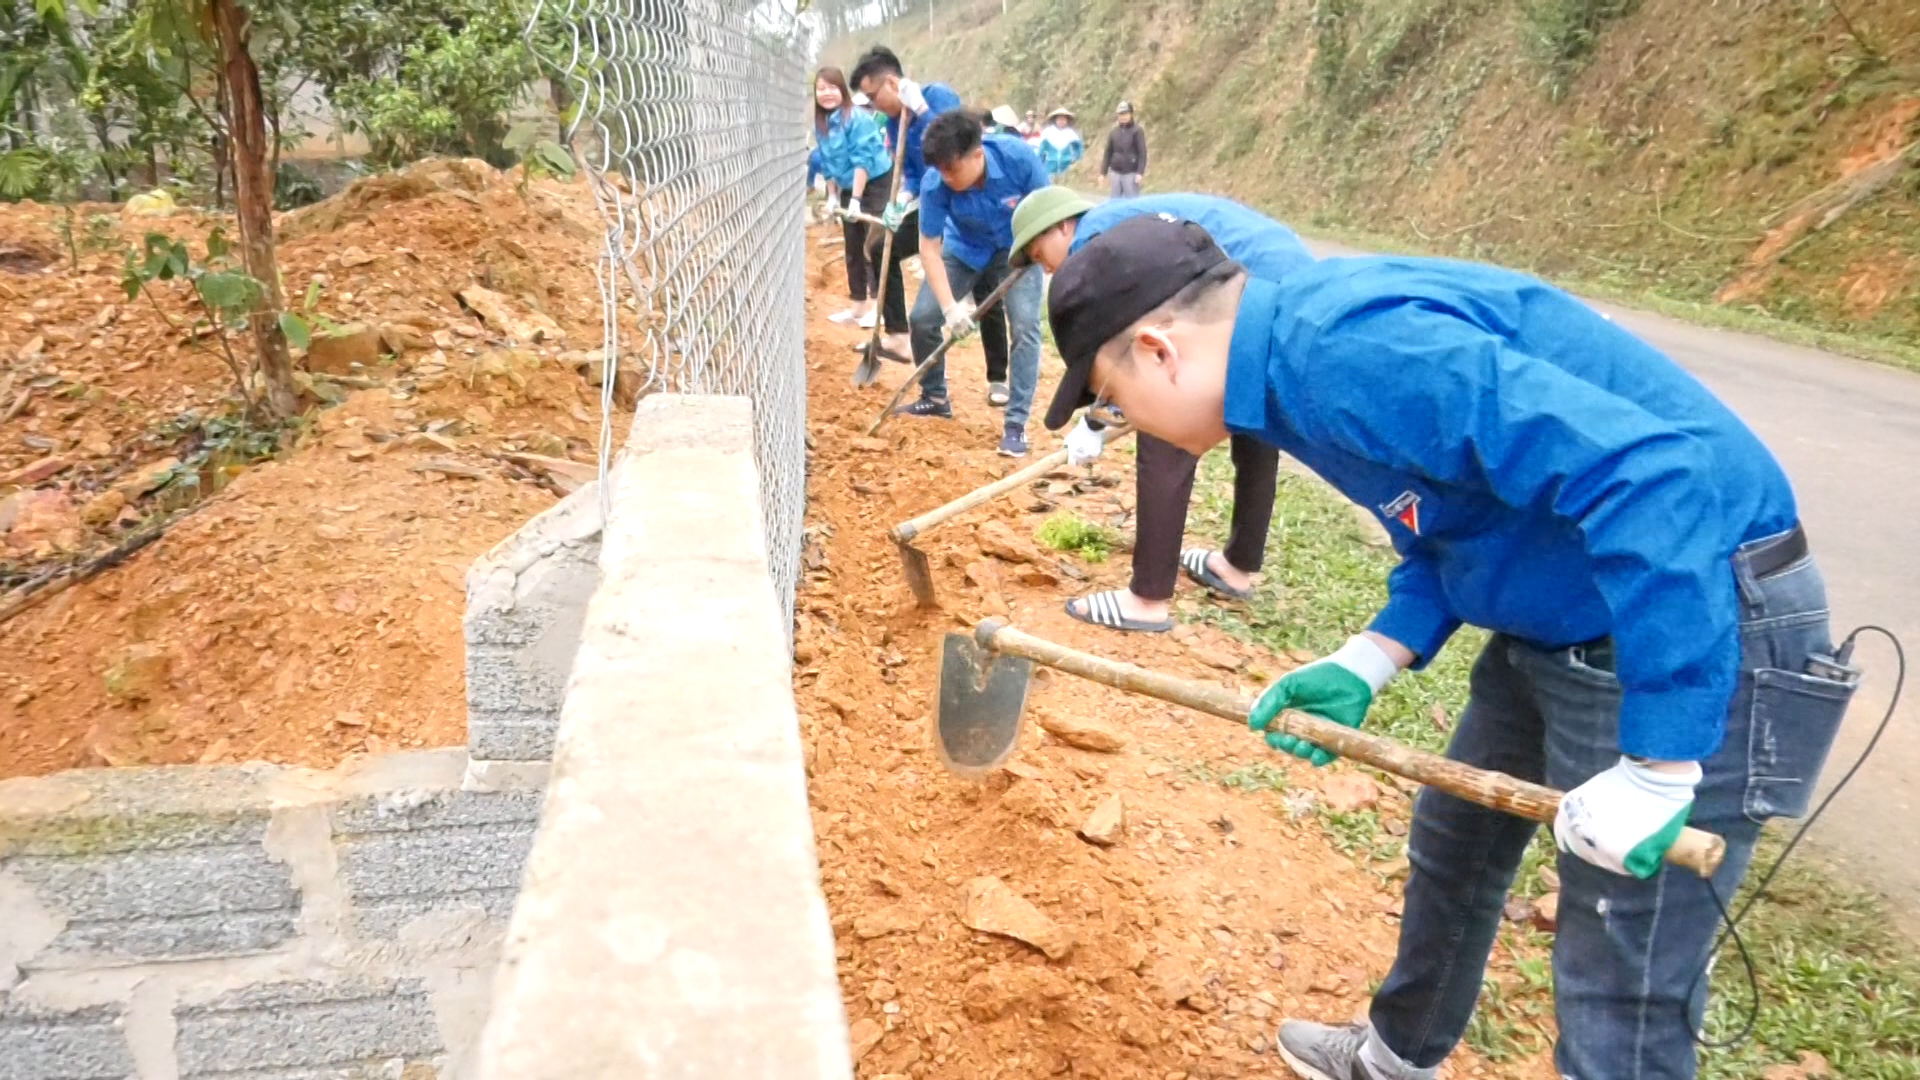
[1050, 224]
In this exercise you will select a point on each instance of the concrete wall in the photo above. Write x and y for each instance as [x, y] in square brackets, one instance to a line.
[672, 923]
[265, 923]
[255, 922]
[526, 600]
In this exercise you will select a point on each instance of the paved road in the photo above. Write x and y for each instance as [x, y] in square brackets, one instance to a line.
[1848, 433]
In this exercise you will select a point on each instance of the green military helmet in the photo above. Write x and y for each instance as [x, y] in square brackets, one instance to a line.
[1041, 211]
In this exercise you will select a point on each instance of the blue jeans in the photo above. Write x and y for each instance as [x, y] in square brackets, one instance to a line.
[1627, 953]
[1022, 306]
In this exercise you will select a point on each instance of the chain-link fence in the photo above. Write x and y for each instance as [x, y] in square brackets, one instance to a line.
[692, 122]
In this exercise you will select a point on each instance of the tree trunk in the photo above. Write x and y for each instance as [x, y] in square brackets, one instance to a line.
[562, 97]
[253, 200]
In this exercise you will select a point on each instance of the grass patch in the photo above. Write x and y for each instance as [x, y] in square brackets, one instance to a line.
[1075, 535]
[1834, 977]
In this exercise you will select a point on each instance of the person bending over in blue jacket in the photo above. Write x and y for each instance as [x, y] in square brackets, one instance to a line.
[1660, 646]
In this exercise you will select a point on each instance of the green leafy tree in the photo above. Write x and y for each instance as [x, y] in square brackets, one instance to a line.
[448, 89]
[227, 296]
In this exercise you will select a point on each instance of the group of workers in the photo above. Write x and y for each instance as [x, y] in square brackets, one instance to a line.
[1660, 646]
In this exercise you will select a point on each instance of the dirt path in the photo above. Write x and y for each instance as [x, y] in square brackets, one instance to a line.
[1217, 911]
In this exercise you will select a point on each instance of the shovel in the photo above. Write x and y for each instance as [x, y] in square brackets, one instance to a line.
[914, 561]
[983, 696]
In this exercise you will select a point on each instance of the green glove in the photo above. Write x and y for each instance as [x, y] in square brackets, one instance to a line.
[1338, 687]
[896, 213]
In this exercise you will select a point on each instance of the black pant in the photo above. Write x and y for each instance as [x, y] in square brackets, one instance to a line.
[863, 265]
[906, 244]
[1163, 484]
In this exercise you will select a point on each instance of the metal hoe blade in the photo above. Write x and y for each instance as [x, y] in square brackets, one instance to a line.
[913, 563]
[983, 698]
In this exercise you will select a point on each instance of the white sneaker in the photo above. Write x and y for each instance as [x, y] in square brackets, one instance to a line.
[842, 317]
[867, 320]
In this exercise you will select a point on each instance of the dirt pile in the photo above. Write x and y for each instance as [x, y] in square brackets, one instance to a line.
[310, 607]
[1105, 906]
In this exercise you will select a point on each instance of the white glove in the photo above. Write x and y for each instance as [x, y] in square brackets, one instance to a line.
[1626, 818]
[959, 318]
[1084, 444]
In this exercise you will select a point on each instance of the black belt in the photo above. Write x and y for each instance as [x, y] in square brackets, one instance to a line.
[1765, 558]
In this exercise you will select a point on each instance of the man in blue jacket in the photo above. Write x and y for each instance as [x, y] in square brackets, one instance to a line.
[966, 239]
[880, 77]
[1660, 649]
[1051, 224]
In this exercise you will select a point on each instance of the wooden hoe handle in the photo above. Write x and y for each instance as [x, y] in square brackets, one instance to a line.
[1700, 852]
[907, 530]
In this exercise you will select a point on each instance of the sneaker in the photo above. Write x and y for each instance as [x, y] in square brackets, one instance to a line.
[997, 395]
[843, 317]
[867, 320]
[1013, 443]
[1341, 1052]
[938, 408]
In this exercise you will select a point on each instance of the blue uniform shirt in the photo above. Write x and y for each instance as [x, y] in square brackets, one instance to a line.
[977, 223]
[1265, 247]
[1542, 472]
[913, 167]
[850, 143]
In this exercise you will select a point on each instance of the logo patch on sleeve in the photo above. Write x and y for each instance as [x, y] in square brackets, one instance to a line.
[1405, 510]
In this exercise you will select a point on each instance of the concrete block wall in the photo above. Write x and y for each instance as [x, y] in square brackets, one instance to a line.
[525, 602]
[256, 922]
[671, 924]
[265, 923]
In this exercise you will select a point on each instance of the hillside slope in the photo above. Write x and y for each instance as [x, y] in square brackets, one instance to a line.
[1752, 153]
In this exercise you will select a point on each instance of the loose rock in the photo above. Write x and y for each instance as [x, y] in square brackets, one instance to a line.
[1083, 732]
[994, 908]
[863, 1035]
[1546, 912]
[894, 920]
[1107, 822]
[1349, 792]
[499, 313]
[1001, 542]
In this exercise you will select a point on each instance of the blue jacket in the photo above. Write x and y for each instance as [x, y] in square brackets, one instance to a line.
[977, 223]
[1542, 472]
[1059, 159]
[1265, 247]
[850, 143]
[813, 167]
[940, 98]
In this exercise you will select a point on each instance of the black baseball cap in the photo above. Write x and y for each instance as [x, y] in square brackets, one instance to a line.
[1117, 279]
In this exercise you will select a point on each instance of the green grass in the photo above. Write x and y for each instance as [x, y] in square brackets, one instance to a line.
[1834, 978]
[1076, 535]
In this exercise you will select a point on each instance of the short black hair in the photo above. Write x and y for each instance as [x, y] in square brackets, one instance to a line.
[874, 63]
[952, 136]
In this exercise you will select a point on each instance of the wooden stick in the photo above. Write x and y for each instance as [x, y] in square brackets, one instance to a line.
[907, 530]
[1700, 852]
[993, 299]
[46, 588]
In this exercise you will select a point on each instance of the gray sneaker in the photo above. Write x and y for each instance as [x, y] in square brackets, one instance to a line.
[1342, 1052]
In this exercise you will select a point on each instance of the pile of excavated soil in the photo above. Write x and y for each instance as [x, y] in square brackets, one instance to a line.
[1168, 950]
[311, 607]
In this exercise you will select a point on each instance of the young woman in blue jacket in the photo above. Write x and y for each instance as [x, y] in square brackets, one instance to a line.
[853, 157]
